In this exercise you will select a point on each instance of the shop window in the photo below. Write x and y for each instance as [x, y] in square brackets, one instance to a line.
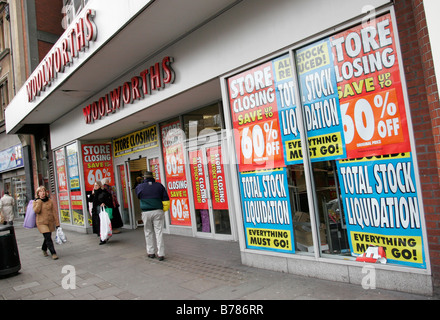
[76, 198]
[202, 121]
[19, 193]
[330, 218]
[70, 197]
[62, 184]
[348, 171]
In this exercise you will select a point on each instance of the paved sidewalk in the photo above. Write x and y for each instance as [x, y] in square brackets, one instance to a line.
[194, 269]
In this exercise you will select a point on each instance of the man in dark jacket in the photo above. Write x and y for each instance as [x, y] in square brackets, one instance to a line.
[154, 200]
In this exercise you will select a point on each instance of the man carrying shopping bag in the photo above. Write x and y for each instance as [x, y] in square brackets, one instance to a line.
[154, 200]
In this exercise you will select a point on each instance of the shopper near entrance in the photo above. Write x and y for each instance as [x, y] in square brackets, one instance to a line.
[154, 200]
[46, 219]
[116, 219]
[7, 208]
[99, 198]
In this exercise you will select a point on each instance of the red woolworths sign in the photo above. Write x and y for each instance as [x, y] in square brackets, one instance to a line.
[152, 78]
[75, 40]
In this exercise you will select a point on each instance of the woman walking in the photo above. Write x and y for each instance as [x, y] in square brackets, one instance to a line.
[99, 198]
[116, 220]
[46, 219]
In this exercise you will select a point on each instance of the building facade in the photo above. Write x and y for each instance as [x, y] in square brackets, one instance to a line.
[28, 29]
[303, 130]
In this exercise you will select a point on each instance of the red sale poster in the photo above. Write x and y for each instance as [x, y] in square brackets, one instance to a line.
[217, 179]
[198, 179]
[61, 170]
[370, 89]
[177, 185]
[97, 163]
[254, 113]
[155, 168]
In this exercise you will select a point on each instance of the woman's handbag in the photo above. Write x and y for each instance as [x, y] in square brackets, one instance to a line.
[105, 225]
[30, 219]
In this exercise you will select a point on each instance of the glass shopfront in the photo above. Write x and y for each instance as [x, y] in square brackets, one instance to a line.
[195, 172]
[188, 162]
[70, 196]
[325, 162]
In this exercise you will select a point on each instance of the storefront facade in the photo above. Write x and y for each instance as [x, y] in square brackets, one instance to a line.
[13, 176]
[300, 146]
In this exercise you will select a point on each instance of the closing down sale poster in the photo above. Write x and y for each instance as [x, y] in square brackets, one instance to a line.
[381, 207]
[266, 210]
[370, 89]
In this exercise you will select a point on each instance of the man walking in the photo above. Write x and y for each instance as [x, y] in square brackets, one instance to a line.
[154, 200]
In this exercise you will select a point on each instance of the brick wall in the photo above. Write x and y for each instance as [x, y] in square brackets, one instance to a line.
[425, 115]
[49, 17]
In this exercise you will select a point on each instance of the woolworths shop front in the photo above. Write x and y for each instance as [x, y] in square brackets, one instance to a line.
[284, 125]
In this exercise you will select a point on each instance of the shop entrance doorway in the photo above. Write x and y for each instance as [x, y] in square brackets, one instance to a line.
[209, 192]
[130, 174]
[137, 169]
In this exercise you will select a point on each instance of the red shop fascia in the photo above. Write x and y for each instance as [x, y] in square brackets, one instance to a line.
[76, 39]
[150, 79]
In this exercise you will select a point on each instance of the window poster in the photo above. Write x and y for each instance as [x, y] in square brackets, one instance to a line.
[97, 163]
[154, 165]
[319, 95]
[378, 188]
[370, 89]
[175, 174]
[262, 108]
[255, 118]
[217, 178]
[75, 191]
[287, 109]
[136, 141]
[62, 180]
[266, 210]
[124, 186]
[199, 182]
[381, 207]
